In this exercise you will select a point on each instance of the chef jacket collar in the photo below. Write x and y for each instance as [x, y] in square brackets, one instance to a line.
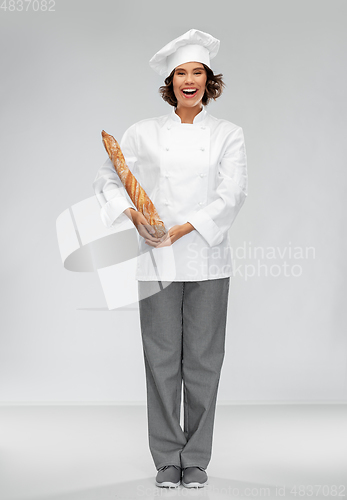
[198, 118]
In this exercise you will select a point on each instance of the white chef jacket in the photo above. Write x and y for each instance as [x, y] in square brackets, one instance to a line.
[193, 173]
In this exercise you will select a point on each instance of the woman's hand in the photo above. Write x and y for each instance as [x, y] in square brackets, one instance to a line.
[142, 226]
[173, 234]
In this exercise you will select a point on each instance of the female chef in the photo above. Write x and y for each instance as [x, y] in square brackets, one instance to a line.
[193, 167]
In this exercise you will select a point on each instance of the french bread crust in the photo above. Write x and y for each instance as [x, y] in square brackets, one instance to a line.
[137, 194]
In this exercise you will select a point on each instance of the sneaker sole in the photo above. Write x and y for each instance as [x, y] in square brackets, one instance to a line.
[195, 485]
[167, 484]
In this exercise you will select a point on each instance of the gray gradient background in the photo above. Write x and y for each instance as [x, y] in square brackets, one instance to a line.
[68, 74]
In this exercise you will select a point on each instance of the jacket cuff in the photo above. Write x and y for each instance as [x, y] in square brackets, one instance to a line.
[206, 227]
[112, 210]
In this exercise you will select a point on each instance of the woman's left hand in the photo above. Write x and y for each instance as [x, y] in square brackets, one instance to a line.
[173, 234]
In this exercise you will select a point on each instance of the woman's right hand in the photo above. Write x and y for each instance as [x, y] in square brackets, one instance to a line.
[140, 222]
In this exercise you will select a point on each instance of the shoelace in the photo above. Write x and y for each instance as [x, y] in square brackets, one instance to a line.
[166, 466]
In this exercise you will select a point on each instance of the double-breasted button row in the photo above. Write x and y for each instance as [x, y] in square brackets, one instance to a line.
[167, 175]
[168, 203]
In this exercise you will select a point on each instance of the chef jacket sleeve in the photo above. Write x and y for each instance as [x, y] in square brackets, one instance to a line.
[109, 190]
[214, 220]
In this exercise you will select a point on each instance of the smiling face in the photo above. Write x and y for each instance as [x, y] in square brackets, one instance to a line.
[189, 83]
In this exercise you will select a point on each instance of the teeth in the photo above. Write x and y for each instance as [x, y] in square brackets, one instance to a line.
[190, 91]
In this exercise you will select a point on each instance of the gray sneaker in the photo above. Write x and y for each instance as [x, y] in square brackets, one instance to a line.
[194, 477]
[168, 476]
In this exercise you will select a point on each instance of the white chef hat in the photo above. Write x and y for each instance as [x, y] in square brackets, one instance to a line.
[194, 45]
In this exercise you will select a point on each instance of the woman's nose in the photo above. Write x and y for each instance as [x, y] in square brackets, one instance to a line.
[189, 78]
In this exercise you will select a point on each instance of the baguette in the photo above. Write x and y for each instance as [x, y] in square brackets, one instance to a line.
[137, 194]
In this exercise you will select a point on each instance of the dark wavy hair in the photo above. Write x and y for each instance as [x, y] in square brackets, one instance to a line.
[214, 87]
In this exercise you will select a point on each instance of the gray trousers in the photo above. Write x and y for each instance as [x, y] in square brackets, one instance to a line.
[183, 335]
